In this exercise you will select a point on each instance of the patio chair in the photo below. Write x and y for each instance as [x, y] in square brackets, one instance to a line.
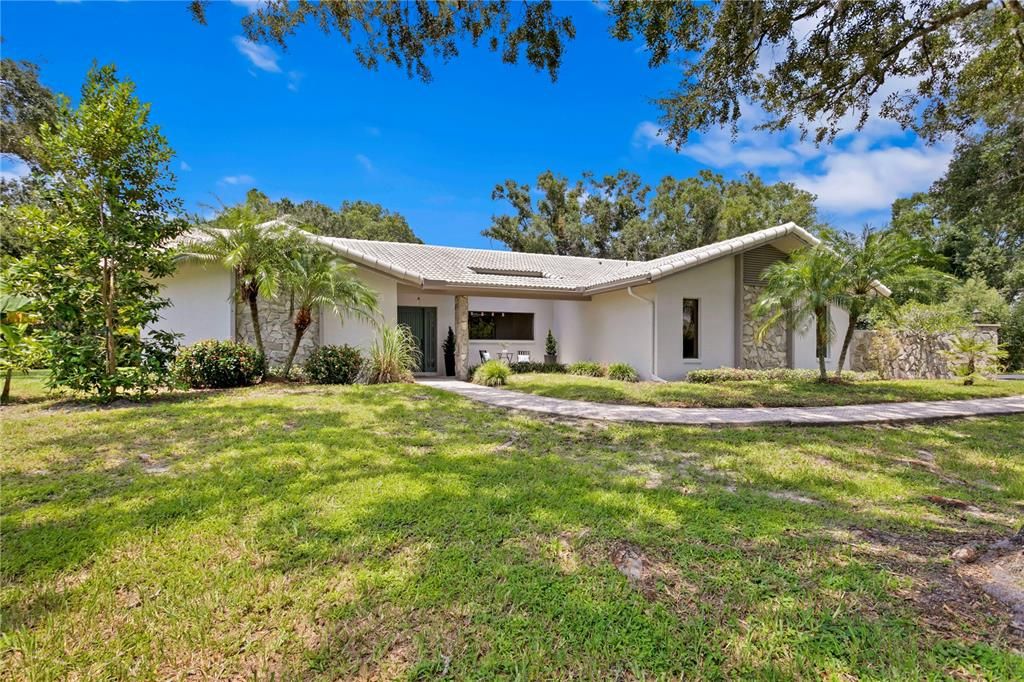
[523, 356]
[485, 356]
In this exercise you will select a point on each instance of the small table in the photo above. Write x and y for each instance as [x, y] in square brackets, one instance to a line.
[506, 357]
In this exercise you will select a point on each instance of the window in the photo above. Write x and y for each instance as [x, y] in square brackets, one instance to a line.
[485, 326]
[691, 328]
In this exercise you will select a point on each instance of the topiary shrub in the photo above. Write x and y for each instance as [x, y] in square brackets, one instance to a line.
[620, 371]
[537, 368]
[586, 368]
[219, 364]
[334, 365]
[492, 373]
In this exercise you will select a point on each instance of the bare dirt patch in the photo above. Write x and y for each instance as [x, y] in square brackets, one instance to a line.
[652, 576]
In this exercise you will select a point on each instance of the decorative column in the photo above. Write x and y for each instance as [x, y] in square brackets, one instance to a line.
[462, 337]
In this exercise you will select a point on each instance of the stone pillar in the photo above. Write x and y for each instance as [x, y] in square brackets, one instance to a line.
[462, 337]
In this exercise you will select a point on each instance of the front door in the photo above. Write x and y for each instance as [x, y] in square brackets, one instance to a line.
[423, 323]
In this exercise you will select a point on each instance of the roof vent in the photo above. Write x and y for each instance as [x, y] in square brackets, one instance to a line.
[507, 272]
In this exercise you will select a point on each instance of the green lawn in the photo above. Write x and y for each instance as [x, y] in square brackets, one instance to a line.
[755, 393]
[397, 532]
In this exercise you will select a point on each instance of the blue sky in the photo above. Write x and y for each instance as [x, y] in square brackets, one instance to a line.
[310, 123]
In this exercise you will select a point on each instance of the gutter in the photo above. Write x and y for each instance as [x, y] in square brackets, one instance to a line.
[654, 332]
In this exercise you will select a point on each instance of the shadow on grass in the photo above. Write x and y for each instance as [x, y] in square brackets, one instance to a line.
[451, 511]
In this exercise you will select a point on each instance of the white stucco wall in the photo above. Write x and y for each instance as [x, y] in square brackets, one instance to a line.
[619, 329]
[804, 354]
[569, 325]
[201, 303]
[713, 285]
[356, 332]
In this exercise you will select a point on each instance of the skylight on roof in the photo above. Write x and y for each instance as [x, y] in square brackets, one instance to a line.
[507, 272]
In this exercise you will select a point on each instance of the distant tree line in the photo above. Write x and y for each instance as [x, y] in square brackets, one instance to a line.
[619, 216]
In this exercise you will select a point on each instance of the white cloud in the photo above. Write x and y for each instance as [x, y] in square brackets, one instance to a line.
[294, 78]
[261, 56]
[12, 168]
[185, 167]
[853, 181]
[365, 162]
[250, 5]
[238, 180]
[649, 135]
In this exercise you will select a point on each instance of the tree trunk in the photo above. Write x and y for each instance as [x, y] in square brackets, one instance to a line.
[303, 319]
[846, 342]
[5, 397]
[251, 294]
[821, 341]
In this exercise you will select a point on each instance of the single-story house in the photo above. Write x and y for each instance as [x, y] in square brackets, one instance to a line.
[665, 317]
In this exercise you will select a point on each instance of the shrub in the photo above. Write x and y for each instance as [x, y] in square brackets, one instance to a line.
[586, 368]
[620, 371]
[393, 356]
[971, 357]
[537, 368]
[219, 364]
[334, 365]
[492, 373]
[724, 374]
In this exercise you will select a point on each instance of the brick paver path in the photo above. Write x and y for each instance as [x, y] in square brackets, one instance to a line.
[732, 416]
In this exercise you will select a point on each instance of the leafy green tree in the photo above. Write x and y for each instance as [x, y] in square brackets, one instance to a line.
[802, 288]
[254, 247]
[981, 200]
[99, 238]
[974, 295]
[25, 105]
[316, 277]
[353, 219]
[943, 65]
[404, 34]
[555, 225]
[615, 216]
[891, 258]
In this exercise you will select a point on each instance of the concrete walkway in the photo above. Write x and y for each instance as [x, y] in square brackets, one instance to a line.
[731, 416]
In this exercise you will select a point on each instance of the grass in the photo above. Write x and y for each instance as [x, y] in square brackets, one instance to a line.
[395, 532]
[755, 393]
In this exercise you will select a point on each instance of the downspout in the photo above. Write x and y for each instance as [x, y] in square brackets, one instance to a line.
[654, 333]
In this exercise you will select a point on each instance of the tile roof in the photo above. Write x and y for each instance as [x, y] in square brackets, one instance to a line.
[448, 266]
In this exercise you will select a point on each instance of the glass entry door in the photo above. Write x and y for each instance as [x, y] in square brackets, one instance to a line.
[423, 323]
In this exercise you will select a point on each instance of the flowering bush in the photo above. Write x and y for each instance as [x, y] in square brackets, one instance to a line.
[219, 364]
[334, 365]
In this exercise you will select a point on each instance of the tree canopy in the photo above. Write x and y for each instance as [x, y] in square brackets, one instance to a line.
[353, 219]
[618, 216]
[25, 105]
[934, 66]
[405, 34]
[974, 215]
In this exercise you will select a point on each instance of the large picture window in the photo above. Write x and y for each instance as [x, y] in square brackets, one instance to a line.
[486, 326]
[691, 328]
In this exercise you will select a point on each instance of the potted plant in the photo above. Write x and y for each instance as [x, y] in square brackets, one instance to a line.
[550, 349]
[448, 349]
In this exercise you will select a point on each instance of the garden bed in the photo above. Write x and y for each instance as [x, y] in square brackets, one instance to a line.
[764, 393]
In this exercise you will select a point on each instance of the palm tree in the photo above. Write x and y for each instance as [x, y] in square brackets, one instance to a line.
[316, 277]
[870, 259]
[802, 288]
[254, 248]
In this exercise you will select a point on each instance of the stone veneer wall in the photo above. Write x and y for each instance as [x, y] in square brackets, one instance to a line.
[772, 351]
[907, 354]
[276, 324]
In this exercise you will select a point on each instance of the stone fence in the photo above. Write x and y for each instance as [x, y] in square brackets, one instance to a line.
[903, 354]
